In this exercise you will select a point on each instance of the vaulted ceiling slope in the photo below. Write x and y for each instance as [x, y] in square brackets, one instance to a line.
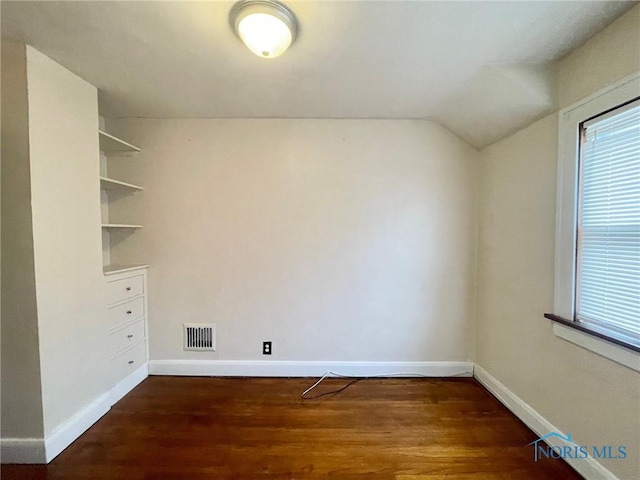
[479, 68]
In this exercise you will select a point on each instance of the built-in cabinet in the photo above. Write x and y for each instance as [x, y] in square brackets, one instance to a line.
[125, 284]
[126, 295]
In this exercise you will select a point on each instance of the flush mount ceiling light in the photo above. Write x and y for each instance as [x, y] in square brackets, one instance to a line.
[266, 27]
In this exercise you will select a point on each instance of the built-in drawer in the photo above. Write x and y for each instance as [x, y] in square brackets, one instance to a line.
[119, 290]
[128, 361]
[124, 337]
[126, 312]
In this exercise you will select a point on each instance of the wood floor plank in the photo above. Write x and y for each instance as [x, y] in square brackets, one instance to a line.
[259, 428]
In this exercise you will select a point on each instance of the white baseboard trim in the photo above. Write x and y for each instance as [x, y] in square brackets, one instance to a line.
[37, 450]
[128, 383]
[69, 431]
[589, 467]
[34, 450]
[265, 368]
[22, 450]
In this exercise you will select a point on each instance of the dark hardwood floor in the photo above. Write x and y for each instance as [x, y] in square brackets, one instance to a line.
[172, 428]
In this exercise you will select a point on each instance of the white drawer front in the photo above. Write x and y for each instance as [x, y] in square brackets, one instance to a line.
[126, 312]
[119, 290]
[128, 361]
[127, 336]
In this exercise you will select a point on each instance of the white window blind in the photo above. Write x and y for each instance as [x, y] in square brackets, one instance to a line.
[608, 250]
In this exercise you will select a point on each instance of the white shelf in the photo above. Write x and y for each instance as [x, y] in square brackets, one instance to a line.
[111, 184]
[116, 268]
[119, 225]
[113, 145]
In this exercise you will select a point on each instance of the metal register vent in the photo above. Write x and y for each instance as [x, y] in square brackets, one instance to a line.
[200, 337]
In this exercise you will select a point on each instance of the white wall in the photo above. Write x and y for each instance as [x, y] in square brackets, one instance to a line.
[610, 55]
[349, 240]
[63, 126]
[21, 398]
[591, 397]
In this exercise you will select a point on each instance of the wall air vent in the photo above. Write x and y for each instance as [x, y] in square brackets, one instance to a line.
[200, 337]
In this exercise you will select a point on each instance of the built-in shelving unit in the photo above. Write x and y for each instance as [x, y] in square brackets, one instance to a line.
[113, 145]
[125, 278]
[112, 184]
[119, 209]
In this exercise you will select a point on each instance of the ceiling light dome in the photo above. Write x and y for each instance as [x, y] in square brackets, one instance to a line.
[266, 27]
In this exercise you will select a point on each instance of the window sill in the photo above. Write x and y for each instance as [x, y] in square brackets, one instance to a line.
[624, 354]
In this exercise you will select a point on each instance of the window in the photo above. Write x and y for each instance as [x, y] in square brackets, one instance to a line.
[607, 297]
[597, 284]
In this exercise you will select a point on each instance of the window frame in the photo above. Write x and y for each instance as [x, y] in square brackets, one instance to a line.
[569, 129]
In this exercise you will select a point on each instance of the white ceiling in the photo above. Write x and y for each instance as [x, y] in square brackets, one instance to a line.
[477, 67]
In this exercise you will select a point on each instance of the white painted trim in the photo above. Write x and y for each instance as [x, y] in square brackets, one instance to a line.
[128, 383]
[265, 368]
[34, 450]
[22, 450]
[569, 119]
[589, 467]
[68, 432]
[614, 352]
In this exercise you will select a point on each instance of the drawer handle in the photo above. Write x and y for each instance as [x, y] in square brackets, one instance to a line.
[128, 289]
[130, 336]
[130, 362]
[128, 312]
